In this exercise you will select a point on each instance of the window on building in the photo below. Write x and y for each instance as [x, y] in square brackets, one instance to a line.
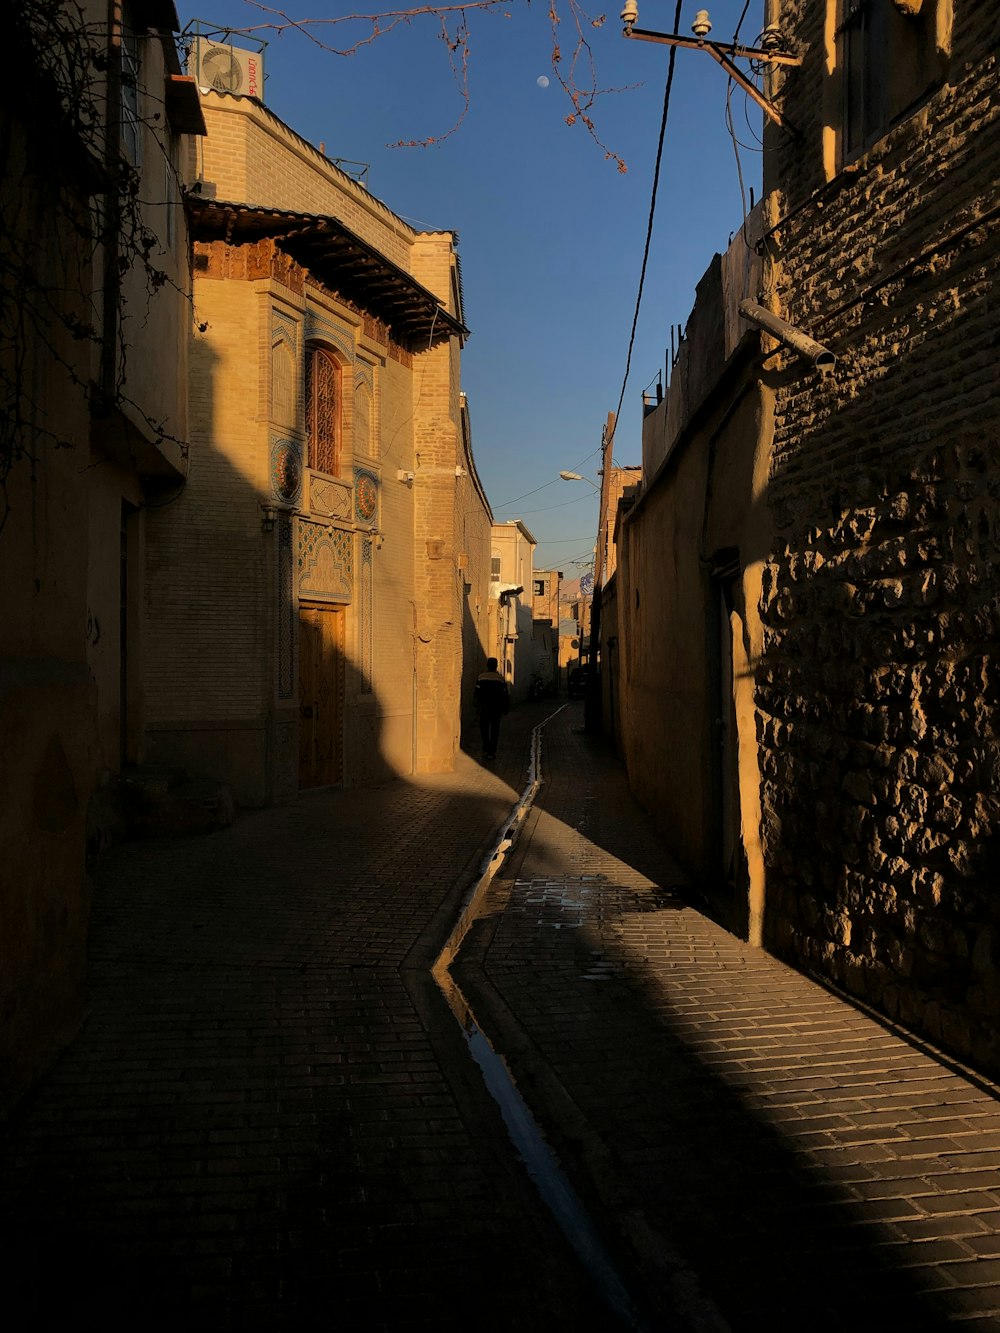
[865, 73]
[539, 587]
[323, 411]
[888, 59]
[131, 123]
[170, 201]
[495, 569]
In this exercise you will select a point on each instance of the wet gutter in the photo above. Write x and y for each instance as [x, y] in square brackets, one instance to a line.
[525, 1133]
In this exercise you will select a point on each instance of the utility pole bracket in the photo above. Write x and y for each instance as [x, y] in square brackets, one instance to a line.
[725, 54]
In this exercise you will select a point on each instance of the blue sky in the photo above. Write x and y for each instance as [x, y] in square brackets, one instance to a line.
[551, 234]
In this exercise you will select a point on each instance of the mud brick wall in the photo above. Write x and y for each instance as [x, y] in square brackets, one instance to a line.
[877, 689]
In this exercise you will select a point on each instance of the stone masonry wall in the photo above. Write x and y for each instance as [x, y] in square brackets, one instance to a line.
[878, 683]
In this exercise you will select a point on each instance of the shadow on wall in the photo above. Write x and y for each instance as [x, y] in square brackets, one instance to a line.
[473, 662]
[877, 692]
[870, 717]
[247, 682]
[715, 1177]
[261, 965]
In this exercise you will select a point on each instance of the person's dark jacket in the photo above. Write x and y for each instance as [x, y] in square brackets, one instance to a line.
[491, 694]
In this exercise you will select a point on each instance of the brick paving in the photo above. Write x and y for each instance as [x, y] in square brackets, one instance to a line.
[765, 1155]
[270, 1119]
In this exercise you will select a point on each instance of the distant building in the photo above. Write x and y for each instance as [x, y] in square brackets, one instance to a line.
[621, 481]
[545, 612]
[576, 607]
[511, 591]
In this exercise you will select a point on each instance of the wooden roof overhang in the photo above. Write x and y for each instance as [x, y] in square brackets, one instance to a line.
[339, 259]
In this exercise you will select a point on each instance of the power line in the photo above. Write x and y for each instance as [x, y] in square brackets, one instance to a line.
[736, 34]
[565, 541]
[649, 225]
[545, 509]
[507, 503]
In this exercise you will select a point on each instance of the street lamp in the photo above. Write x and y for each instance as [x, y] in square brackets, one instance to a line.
[575, 476]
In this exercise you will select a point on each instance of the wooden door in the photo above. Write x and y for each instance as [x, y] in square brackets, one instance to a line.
[321, 695]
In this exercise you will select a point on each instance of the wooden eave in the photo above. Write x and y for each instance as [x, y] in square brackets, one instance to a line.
[340, 260]
[183, 105]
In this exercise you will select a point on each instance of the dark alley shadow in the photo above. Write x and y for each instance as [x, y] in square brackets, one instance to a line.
[725, 1167]
[266, 1122]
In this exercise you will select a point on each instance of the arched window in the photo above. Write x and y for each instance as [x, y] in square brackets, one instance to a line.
[283, 396]
[323, 411]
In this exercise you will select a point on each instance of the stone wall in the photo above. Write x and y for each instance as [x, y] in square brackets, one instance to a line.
[878, 682]
[70, 488]
[474, 533]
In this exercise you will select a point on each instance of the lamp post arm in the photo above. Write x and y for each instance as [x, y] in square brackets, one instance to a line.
[723, 53]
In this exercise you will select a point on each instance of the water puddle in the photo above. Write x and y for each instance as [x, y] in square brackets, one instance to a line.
[524, 1131]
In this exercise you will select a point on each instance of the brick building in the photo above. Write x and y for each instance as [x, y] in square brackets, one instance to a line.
[576, 606]
[511, 593]
[835, 537]
[476, 526]
[93, 338]
[310, 591]
[546, 608]
[679, 625]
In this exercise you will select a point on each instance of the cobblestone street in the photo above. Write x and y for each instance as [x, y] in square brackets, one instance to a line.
[270, 1118]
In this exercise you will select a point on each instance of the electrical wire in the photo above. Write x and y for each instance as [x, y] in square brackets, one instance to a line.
[518, 498]
[758, 142]
[757, 146]
[736, 34]
[649, 230]
[739, 165]
[737, 145]
[575, 501]
[566, 541]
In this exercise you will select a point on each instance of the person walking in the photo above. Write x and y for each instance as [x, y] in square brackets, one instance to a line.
[492, 700]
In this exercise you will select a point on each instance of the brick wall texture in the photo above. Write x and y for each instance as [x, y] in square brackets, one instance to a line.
[878, 684]
[213, 582]
[250, 156]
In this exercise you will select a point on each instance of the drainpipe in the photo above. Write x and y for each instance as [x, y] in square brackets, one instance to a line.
[821, 357]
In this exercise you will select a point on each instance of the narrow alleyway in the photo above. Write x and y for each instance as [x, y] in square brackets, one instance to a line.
[271, 1120]
[768, 1156]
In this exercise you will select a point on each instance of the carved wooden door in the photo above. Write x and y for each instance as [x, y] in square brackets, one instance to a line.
[321, 695]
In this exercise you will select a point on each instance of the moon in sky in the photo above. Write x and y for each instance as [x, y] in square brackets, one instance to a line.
[542, 81]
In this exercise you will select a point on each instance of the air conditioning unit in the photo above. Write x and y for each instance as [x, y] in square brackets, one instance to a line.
[221, 68]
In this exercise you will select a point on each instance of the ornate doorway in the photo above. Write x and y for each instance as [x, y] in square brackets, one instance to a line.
[321, 695]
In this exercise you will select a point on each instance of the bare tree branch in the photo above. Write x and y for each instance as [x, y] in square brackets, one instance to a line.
[576, 75]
